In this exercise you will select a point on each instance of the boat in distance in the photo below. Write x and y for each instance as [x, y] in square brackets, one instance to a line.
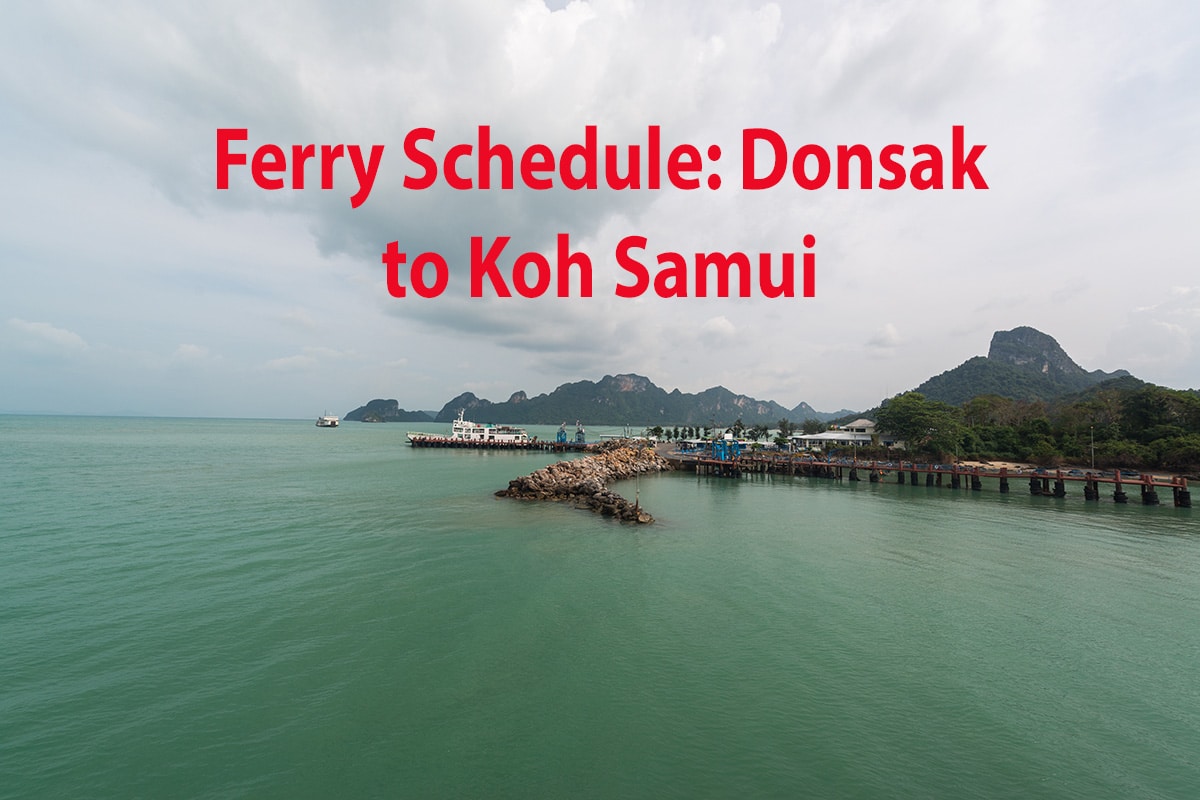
[327, 421]
[465, 433]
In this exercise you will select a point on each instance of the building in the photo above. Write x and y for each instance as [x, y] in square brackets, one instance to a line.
[859, 433]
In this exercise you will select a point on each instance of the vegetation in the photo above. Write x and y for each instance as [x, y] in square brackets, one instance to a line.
[1120, 423]
[385, 411]
[1026, 401]
[1024, 364]
[924, 425]
[812, 426]
[622, 400]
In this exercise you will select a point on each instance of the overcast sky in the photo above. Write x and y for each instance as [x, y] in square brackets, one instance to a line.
[132, 285]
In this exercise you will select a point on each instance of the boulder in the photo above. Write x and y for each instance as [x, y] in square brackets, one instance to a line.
[585, 480]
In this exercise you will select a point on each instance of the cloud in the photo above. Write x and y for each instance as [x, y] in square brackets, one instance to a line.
[1163, 338]
[717, 331]
[299, 319]
[43, 333]
[310, 357]
[116, 227]
[190, 354]
[884, 338]
[294, 363]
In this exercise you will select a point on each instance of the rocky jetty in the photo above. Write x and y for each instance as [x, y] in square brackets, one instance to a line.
[584, 481]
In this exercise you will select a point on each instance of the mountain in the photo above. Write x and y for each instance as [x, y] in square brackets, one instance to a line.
[385, 411]
[627, 400]
[476, 409]
[804, 412]
[1022, 364]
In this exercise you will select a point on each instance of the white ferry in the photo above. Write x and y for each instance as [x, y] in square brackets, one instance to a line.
[327, 421]
[464, 433]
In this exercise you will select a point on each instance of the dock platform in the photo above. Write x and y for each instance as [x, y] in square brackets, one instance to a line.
[533, 444]
[1041, 482]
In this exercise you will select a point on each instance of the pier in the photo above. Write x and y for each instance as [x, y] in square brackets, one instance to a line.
[1040, 482]
[481, 444]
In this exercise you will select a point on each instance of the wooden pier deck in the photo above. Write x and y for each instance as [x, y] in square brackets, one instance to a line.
[468, 444]
[1047, 483]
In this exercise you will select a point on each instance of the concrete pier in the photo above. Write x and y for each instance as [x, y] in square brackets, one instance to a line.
[1042, 483]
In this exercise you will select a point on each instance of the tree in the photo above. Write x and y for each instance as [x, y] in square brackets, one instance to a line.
[1181, 452]
[785, 427]
[812, 426]
[923, 425]
[1150, 409]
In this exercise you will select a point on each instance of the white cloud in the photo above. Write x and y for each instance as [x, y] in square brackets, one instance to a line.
[885, 338]
[115, 226]
[43, 333]
[717, 331]
[311, 357]
[291, 363]
[1161, 339]
[190, 354]
[300, 319]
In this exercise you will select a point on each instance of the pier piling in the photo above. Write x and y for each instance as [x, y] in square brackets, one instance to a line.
[1041, 482]
[1182, 497]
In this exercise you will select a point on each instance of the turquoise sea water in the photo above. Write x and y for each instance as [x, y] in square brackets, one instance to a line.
[240, 608]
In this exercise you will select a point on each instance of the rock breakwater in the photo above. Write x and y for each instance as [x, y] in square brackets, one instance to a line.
[584, 481]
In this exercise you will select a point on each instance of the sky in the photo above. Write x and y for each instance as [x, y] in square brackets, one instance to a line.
[132, 285]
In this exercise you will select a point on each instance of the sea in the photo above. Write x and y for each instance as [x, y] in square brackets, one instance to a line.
[209, 608]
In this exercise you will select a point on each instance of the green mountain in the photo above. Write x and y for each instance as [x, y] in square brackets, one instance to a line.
[385, 411]
[1021, 364]
[627, 400]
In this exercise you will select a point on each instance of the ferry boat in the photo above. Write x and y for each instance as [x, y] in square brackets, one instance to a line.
[327, 421]
[465, 433]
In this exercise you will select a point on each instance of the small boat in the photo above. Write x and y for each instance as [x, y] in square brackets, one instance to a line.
[327, 421]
